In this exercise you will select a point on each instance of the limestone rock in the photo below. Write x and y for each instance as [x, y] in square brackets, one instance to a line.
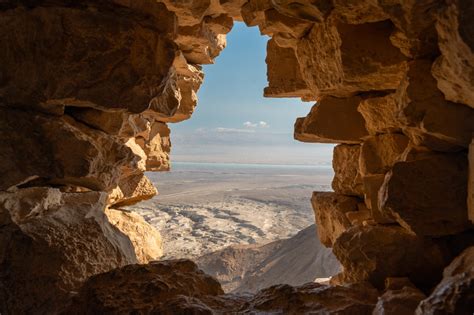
[54, 242]
[341, 59]
[98, 55]
[143, 288]
[347, 178]
[253, 12]
[375, 252]
[157, 147]
[430, 120]
[58, 151]
[359, 11]
[379, 153]
[330, 212]
[145, 238]
[291, 27]
[470, 186]
[372, 184]
[455, 293]
[132, 189]
[310, 10]
[332, 120]
[314, 298]
[428, 195]
[454, 69]
[283, 73]
[399, 299]
[380, 114]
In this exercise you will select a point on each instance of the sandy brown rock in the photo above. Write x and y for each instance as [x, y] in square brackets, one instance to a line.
[283, 73]
[359, 11]
[455, 293]
[430, 120]
[59, 151]
[341, 59]
[428, 195]
[132, 189]
[330, 212]
[454, 69]
[143, 288]
[332, 120]
[290, 27]
[253, 12]
[54, 242]
[347, 177]
[379, 153]
[372, 184]
[157, 147]
[115, 67]
[470, 186]
[310, 10]
[380, 114]
[145, 238]
[373, 253]
[399, 299]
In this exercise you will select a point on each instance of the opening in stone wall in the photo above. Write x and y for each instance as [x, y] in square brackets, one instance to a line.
[237, 199]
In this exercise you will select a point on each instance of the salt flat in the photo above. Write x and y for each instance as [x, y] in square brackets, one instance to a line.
[204, 207]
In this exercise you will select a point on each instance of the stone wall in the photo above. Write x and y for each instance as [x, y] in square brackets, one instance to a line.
[87, 89]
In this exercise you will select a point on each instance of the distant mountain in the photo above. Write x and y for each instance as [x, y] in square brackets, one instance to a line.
[249, 268]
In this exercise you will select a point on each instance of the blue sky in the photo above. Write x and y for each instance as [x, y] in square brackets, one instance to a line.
[233, 122]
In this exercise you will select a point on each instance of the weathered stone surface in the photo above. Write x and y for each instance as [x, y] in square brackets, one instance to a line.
[310, 10]
[455, 293]
[253, 12]
[428, 195]
[132, 189]
[54, 242]
[330, 213]
[374, 253]
[359, 11]
[177, 286]
[143, 288]
[116, 67]
[430, 120]
[145, 238]
[379, 153]
[58, 151]
[275, 22]
[283, 73]
[157, 147]
[400, 298]
[380, 114]
[372, 184]
[347, 178]
[342, 59]
[454, 69]
[332, 120]
[470, 185]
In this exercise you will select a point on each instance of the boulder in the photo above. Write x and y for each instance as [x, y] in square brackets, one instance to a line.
[380, 114]
[454, 69]
[428, 195]
[379, 153]
[330, 213]
[145, 238]
[342, 60]
[347, 178]
[455, 293]
[374, 252]
[131, 190]
[59, 150]
[51, 242]
[332, 120]
[401, 297]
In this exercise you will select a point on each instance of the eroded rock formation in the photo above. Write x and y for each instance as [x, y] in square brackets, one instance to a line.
[87, 90]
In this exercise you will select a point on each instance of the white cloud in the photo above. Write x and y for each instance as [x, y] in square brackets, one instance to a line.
[248, 124]
[233, 130]
[263, 124]
[260, 124]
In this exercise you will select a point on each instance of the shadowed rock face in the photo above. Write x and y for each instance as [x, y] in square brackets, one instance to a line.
[87, 90]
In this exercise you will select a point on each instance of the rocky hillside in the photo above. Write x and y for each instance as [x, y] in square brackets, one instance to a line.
[250, 268]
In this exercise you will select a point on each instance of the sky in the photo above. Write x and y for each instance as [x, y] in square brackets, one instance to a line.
[233, 122]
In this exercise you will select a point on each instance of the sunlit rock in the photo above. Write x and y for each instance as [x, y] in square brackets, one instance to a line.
[428, 195]
[53, 242]
[347, 177]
